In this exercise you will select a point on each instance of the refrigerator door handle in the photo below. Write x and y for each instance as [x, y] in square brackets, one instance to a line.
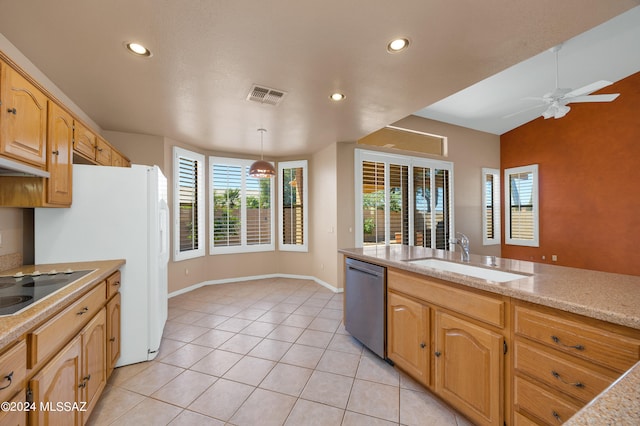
[164, 232]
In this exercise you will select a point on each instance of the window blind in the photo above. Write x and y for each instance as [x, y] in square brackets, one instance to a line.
[373, 202]
[293, 207]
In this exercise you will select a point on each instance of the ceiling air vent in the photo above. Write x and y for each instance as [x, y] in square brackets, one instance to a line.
[265, 95]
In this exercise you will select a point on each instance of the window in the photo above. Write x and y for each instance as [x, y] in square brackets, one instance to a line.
[490, 207]
[402, 200]
[521, 212]
[293, 205]
[241, 217]
[188, 201]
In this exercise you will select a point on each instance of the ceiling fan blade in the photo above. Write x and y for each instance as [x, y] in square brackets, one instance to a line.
[589, 88]
[594, 98]
[524, 110]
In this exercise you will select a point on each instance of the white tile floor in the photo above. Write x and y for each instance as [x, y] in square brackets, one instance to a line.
[265, 352]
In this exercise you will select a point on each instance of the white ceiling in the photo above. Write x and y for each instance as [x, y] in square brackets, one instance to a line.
[610, 51]
[208, 53]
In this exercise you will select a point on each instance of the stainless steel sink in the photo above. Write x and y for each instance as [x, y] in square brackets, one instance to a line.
[469, 270]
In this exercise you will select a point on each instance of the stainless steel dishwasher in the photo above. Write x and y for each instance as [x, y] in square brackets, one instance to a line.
[365, 304]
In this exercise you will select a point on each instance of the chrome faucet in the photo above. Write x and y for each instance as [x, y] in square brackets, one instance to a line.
[463, 241]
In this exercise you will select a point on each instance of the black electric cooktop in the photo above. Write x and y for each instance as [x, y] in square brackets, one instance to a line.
[20, 291]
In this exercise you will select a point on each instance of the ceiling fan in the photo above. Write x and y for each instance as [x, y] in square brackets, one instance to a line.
[557, 100]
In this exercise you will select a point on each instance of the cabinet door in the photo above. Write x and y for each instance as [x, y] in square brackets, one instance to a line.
[103, 152]
[469, 368]
[94, 367]
[408, 336]
[60, 139]
[58, 383]
[84, 141]
[113, 333]
[23, 119]
[15, 417]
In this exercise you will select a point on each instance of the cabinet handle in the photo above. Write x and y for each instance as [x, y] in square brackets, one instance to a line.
[12, 111]
[557, 376]
[557, 341]
[86, 378]
[113, 339]
[56, 152]
[83, 311]
[8, 377]
[82, 385]
[438, 353]
[99, 149]
[556, 416]
[117, 283]
[422, 345]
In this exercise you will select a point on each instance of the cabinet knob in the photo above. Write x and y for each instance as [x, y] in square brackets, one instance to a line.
[438, 353]
[113, 339]
[422, 345]
[56, 152]
[12, 111]
[556, 416]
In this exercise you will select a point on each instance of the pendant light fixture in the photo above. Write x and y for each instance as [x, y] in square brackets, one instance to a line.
[261, 168]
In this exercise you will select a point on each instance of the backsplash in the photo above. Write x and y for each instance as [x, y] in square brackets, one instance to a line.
[10, 261]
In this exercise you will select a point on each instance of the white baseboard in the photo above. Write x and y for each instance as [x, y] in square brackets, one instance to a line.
[251, 278]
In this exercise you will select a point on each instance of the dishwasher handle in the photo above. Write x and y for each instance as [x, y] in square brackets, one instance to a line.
[375, 271]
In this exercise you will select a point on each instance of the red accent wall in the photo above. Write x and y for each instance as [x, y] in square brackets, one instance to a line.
[589, 180]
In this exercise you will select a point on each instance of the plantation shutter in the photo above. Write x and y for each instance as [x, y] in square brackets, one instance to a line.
[188, 201]
[422, 215]
[522, 217]
[442, 216]
[489, 189]
[373, 202]
[227, 205]
[258, 202]
[293, 206]
[399, 204]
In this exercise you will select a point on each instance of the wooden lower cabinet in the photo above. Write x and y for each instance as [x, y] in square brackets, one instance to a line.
[56, 384]
[469, 368]
[67, 389]
[15, 417]
[453, 345]
[94, 362]
[408, 344]
[114, 310]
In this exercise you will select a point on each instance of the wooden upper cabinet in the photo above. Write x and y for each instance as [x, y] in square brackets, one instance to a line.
[84, 141]
[60, 140]
[23, 119]
[103, 152]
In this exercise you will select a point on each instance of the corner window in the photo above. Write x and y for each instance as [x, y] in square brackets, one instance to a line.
[241, 217]
[293, 206]
[490, 207]
[188, 202]
[521, 210]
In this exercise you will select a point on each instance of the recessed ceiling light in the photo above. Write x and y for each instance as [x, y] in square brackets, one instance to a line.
[138, 49]
[337, 96]
[397, 45]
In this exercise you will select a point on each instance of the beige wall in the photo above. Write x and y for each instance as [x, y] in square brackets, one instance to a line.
[11, 229]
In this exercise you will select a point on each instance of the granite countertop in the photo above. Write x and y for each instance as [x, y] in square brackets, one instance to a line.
[574, 290]
[606, 296]
[12, 327]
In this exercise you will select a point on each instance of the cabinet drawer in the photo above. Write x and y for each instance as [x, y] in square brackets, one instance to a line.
[536, 401]
[113, 284]
[15, 417]
[571, 378]
[593, 344]
[477, 306]
[13, 369]
[56, 332]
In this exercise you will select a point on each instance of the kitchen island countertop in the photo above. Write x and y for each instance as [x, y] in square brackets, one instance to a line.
[601, 295]
[12, 327]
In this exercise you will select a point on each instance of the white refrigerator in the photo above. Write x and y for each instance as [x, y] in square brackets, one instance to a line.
[117, 213]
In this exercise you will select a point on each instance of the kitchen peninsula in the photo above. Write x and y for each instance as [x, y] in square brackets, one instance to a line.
[567, 333]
